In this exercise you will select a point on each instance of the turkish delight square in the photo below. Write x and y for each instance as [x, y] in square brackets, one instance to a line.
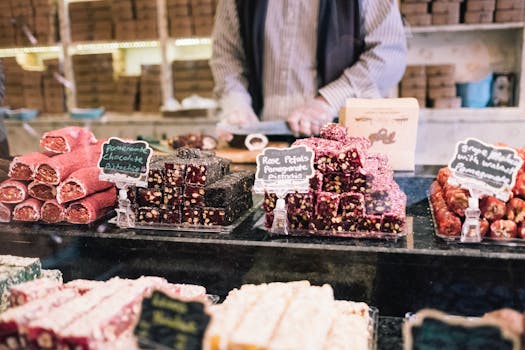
[326, 152]
[218, 216]
[269, 202]
[334, 131]
[193, 196]
[316, 181]
[225, 165]
[300, 202]
[299, 220]
[392, 223]
[149, 215]
[175, 173]
[148, 197]
[327, 204]
[369, 223]
[358, 182]
[229, 187]
[156, 175]
[191, 215]
[170, 215]
[172, 196]
[336, 182]
[352, 204]
[377, 205]
[203, 171]
[349, 159]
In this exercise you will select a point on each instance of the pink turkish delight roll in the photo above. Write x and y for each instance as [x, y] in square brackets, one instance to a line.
[14, 322]
[91, 208]
[52, 212]
[23, 167]
[12, 192]
[41, 191]
[58, 168]
[5, 212]
[67, 139]
[28, 210]
[80, 184]
[25, 292]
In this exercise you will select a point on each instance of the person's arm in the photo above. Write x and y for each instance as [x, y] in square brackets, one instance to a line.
[381, 64]
[227, 61]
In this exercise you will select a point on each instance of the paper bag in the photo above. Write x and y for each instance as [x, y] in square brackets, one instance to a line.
[390, 124]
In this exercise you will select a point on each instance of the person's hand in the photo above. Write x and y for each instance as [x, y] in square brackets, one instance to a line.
[241, 116]
[512, 319]
[308, 119]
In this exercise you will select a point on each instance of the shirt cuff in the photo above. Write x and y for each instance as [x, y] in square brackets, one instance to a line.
[336, 93]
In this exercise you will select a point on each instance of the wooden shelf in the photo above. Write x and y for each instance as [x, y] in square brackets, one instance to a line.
[500, 114]
[13, 51]
[463, 27]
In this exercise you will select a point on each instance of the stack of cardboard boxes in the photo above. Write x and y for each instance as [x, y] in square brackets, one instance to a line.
[14, 83]
[509, 11]
[126, 93]
[94, 80]
[441, 86]
[192, 77]
[416, 12]
[28, 22]
[54, 101]
[146, 26]
[445, 12]
[150, 91]
[203, 13]
[414, 84]
[124, 19]
[479, 11]
[33, 93]
[191, 17]
[91, 20]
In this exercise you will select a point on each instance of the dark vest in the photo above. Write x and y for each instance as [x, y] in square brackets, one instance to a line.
[339, 42]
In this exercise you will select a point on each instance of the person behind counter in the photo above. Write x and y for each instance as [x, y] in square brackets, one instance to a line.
[299, 60]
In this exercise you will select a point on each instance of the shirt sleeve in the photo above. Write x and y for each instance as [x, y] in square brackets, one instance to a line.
[382, 62]
[228, 60]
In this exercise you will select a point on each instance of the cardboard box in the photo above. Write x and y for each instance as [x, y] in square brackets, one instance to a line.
[505, 16]
[472, 17]
[450, 102]
[419, 19]
[438, 81]
[445, 7]
[480, 5]
[445, 18]
[414, 82]
[509, 4]
[414, 8]
[435, 93]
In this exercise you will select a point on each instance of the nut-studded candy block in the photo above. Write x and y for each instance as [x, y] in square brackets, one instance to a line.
[270, 200]
[349, 159]
[326, 152]
[392, 222]
[191, 215]
[193, 196]
[221, 192]
[203, 171]
[369, 223]
[175, 171]
[170, 215]
[358, 182]
[316, 181]
[300, 202]
[149, 196]
[156, 175]
[336, 182]
[377, 205]
[172, 196]
[327, 204]
[352, 204]
[149, 215]
[298, 220]
[218, 216]
[334, 131]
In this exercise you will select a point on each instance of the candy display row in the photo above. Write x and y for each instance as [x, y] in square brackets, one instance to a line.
[499, 219]
[59, 184]
[192, 187]
[352, 190]
[81, 314]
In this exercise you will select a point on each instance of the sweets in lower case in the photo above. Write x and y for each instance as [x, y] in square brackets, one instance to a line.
[499, 219]
[194, 188]
[291, 315]
[82, 314]
[352, 189]
[15, 270]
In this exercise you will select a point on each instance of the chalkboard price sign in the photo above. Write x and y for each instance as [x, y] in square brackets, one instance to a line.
[280, 169]
[172, 323]
[434, 330]
[491, 169]
[126, 161]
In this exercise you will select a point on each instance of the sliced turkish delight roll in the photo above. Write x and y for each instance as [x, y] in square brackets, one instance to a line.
[14, 322]
[269, 202]
[327, 204]
[336, 182]
[58, 168]
[12, 192]
[194, 196]
[352, 204]
[172, 196]
[170, 215]
[5, 212]
[91, 208]
[80, 184]
[28, 210]
[52, 211]
[149, 197]
[23, 167]
[230, 186]
[67, 139]
[203, 171]
[112, 317]
[36, 289]
[148, 215]
[44, 332]
[175, 171]
[156, 175]
[41, 191]
[191, 215]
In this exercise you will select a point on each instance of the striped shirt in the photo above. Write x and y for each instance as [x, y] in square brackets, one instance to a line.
[289, 62]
